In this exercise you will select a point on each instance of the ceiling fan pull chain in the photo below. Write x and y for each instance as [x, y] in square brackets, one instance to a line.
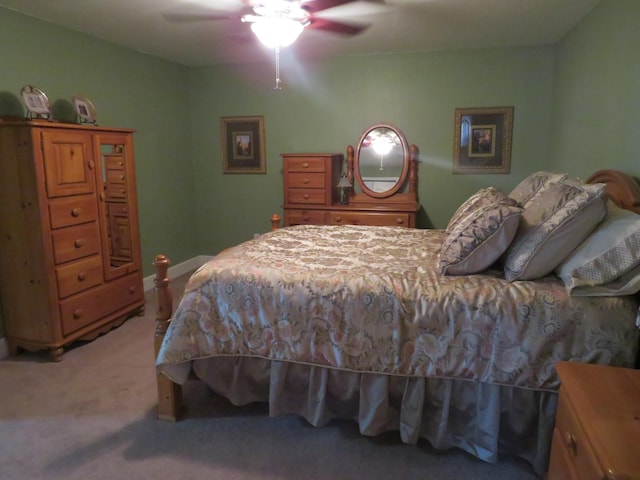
[278, 82]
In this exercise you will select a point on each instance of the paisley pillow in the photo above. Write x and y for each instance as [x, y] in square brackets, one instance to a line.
[479, 239]
[484, 196]
[533, 185]
[552, 224]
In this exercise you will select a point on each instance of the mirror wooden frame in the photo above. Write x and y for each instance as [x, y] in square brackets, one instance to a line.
[405, 162]
[402, 195]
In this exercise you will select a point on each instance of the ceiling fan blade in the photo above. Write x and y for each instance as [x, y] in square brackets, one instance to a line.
[336, 27]
[314, 6]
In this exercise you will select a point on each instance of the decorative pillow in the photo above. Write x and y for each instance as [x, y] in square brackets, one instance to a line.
[533, 185]
[484, 196]
[608, 261]
[479, 239]
[554, 223]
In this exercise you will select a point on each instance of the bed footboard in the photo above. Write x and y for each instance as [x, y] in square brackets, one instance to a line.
[169, 393]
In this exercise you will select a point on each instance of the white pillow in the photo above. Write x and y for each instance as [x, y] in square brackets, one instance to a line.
[608, 261]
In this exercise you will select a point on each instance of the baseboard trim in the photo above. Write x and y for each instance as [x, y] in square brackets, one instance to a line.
[177, 270]
[4, 348]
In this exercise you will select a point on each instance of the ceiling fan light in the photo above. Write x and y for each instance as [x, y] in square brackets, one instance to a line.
[277, 32]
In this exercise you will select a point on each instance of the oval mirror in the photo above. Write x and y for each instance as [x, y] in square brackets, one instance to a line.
[381, 161]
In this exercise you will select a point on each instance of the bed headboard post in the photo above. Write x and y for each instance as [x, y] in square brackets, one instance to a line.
[275, 222]
[169, 393]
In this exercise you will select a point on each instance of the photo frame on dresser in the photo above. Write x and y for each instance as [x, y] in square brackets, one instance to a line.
[243, 144]
[482, 140]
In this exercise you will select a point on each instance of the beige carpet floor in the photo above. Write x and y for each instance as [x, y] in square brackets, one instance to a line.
[91, 416]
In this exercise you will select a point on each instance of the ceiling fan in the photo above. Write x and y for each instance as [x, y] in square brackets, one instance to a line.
[278, 23]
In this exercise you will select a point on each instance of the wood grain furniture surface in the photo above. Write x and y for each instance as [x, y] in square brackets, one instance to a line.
[69, 248]
[597, 432]
[311, 196]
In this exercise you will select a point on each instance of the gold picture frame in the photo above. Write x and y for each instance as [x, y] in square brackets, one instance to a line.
[482, 140]
[243, 145]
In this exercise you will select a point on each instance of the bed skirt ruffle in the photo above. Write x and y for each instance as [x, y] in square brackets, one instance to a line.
[482, 419]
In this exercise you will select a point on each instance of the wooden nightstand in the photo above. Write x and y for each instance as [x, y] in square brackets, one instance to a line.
[597, 432]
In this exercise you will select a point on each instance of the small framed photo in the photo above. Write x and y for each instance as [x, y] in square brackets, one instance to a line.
[243, 145]
[36, 101]
[84, 108]
[482, 140]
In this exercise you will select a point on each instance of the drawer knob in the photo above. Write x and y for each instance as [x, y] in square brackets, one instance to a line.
[338, 219]
[91, 164]
[121, 177]
[305, 180]
[76, 212]
[305, 196]
[399, 221]
[132, 289]
[77, 313]
[572, 445]
[120, 163]
[78, 243]
[82, 277]
[305, 165]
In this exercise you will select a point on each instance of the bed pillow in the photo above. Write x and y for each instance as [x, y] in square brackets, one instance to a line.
[554, 223]
[484, 196]
[533, 185]
[479, 239]
[608, 261]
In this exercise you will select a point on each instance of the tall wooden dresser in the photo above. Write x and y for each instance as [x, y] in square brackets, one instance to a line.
[69, 241]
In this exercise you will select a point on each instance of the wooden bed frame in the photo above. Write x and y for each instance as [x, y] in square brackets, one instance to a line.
[621, 188]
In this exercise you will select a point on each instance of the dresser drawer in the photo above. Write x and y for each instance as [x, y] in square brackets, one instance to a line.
[116, 176]
[72, 211]
[92, 305]
[75, 242]
[78, 276]
[308, 180]
[114, 162]
[304, 217]
[578, 451]
[369, 218]
[116, 191]
[305, 196]
[118, 209]
[305, 164]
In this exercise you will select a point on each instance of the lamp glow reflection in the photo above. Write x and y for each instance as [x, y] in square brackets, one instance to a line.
[275, 32]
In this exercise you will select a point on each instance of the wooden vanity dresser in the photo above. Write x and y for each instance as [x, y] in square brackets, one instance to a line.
[597, 432]
[382, 194]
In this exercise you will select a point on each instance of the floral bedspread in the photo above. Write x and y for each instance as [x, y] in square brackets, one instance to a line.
[371, 299]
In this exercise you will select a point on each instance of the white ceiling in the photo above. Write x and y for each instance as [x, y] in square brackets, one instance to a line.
[393, 25]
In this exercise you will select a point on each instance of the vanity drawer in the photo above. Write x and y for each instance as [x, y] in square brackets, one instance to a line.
[308, 180]
[304, 164]
[577, 450]
[347, 217]
[90, 306]
[116, 191]
[75, 242]
[304, 217]
[78, 276]
[116, 176]
[305, 196]
[114, 162]
[72, 211]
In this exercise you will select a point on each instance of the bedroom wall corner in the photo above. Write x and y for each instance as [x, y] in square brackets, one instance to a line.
[596, 116]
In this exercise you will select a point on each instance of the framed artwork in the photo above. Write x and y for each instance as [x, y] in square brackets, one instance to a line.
[36, 101]
[243, 146]
[84, 108]
[482, 140]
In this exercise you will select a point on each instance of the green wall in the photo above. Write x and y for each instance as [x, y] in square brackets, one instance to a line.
[326, 106]
[596, 121]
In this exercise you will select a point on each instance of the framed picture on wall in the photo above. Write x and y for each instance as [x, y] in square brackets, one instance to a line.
[482, 140]
[243, 145]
